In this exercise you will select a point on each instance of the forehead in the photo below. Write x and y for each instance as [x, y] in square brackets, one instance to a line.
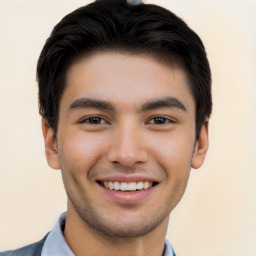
[125, 78]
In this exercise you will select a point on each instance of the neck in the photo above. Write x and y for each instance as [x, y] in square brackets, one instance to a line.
[84, 240]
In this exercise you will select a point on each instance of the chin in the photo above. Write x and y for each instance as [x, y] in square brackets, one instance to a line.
[123, 226]
[124, 230]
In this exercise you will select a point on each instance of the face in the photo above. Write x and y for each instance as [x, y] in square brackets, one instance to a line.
[125, 141]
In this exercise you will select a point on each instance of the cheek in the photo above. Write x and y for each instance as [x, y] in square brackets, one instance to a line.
[175, 155]
[79, 151]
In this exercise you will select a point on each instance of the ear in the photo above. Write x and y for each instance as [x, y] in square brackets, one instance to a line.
[201, 147]
[50, 143]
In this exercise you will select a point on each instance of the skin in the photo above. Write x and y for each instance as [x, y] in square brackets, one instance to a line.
[130, 137]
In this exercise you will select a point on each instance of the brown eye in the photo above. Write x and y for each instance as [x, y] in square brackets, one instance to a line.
[159, 120]
[94, 120]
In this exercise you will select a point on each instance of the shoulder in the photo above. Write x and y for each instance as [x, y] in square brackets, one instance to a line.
[29, 250]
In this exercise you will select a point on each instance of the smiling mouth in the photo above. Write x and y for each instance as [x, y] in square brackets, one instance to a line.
[127, 186]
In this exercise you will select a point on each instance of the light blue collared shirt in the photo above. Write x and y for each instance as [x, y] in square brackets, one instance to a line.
[56, 245]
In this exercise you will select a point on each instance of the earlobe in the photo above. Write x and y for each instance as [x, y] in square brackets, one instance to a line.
[51, 151]
[201, 147]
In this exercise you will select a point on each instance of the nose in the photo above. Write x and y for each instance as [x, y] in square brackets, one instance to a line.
[128, 146]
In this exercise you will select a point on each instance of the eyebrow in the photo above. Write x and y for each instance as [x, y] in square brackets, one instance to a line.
[92, 103]
[167, 102]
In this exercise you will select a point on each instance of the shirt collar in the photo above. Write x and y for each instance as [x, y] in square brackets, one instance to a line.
[55, 244]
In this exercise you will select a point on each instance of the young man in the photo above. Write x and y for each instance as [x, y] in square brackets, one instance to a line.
[125, 97]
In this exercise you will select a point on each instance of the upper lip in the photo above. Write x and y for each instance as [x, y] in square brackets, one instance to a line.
[128, 178]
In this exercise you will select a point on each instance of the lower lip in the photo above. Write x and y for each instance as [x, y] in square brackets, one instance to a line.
[127, 197]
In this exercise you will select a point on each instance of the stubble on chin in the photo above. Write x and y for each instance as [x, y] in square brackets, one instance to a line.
[106, 227]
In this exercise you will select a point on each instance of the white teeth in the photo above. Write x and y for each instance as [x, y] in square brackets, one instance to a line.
[139, 185]
[145, 185]
[110, 185]
[124, 186]
[116, 185]
[132, 186]
[127, 186]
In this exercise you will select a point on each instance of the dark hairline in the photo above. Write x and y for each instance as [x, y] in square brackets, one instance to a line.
[164, 36]
[172, 60]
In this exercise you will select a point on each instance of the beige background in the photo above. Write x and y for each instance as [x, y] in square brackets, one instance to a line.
[217, 215]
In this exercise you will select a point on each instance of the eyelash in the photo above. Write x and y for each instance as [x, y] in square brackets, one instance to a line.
[90, 118]
[163, 120]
